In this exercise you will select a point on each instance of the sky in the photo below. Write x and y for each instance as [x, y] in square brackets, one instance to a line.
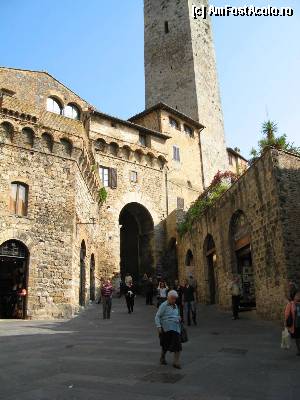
[95, 47]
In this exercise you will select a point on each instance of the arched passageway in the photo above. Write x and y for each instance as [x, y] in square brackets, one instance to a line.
[92, 279]
[14, 260]
[240, 239]
[211, 260]
[82, 279]
[136, 241]
[170, 261]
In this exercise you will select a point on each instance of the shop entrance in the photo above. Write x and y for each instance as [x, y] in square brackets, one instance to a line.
[82, 278]
[136, 241]
[243, 259]
[92, 279]
[211, 258]
[14, 257]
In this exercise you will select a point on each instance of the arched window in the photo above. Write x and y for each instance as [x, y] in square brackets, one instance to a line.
[189, 258]
[72, 111]
[100, 145]
[67, 145]
[54, 106]
[47, 142]
[18, 203]
[28, 136]
[6, 131]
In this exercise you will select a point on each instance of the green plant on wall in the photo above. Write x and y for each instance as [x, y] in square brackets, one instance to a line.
[220, 184]
[102, 195]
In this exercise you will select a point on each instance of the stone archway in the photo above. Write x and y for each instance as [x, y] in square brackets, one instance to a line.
[211, 261]
[136, 241]
[240, 243]
[82, 275]
[14, 262]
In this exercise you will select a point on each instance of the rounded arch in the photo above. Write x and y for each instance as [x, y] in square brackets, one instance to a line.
[67, 146]
[126, 150]
[14, 262]
[47, 142]
[138, 155]
[6, 131]
[114, 148]
[161, 161]
[100, 145]
[210, 257]
[73, 111]
[28, 136]
[136, 240]
[54, 104]
[189, 258]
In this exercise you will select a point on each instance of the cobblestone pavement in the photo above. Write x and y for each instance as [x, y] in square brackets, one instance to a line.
[88, 358]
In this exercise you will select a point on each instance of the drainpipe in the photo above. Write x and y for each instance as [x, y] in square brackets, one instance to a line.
[167, 191]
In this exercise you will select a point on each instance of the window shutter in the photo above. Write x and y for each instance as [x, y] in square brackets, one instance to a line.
[113, 178]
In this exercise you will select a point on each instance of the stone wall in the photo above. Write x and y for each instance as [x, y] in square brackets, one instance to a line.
[268, 196]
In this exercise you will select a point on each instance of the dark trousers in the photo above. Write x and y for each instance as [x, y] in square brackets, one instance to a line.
[298, 345]
[106, 304]
[235, 306]
[190, 310]
[130, 303]
[149, 298]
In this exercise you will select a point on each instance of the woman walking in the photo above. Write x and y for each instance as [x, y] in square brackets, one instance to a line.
[162, 292]
[292, 319]
[167, 321]
[129, 296]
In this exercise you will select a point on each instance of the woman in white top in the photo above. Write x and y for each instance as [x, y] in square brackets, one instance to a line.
[162, 293]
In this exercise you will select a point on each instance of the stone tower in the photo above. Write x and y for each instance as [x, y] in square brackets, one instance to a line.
[180, 70]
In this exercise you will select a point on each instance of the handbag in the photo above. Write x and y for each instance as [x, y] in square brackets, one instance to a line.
[183, 335]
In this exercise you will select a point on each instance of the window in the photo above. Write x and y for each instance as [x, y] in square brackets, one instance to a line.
[28, 136]
[142, 140]
[18, 198]
[47, 141]
[104, 175]
[230, 159]
[174, 124]
[133, 177]
[180, 203]
[176, 154]
[67, 146]
[72, 111]
[188, 130]
[166, 27]
[53, 106]
[108, 177]
[189, 258]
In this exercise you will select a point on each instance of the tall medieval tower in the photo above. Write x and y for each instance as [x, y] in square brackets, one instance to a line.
[180, 70]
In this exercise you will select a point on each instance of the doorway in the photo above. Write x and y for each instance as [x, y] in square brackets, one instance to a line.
[211, 260]
[136, 241]
[14, 258]
[82, 279]
[242, 265]
[92, 279]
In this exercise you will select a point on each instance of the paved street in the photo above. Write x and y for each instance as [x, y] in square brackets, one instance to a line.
[88, 358]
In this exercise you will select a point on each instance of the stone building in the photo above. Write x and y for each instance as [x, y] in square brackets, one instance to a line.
[60, 157]
[252, 231]
[237, 163]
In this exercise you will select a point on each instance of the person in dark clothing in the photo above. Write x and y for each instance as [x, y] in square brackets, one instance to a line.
[179, 290]
[189, 303]
[292, 290]
[129, 296]
[149, 292]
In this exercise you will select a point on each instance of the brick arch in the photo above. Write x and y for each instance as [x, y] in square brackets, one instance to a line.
[12, 234]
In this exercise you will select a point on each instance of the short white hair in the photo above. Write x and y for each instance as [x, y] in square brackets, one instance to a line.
[172, 293]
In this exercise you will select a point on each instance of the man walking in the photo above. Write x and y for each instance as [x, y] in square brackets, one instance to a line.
[189, 302]
[235, 296]
[106, 292]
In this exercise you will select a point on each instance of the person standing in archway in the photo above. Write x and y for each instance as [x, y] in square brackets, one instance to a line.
[129, 296]
[149, 291]
[292, 319]
[167, 321]
[162, 292]
[235, 291]
[106, 292]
